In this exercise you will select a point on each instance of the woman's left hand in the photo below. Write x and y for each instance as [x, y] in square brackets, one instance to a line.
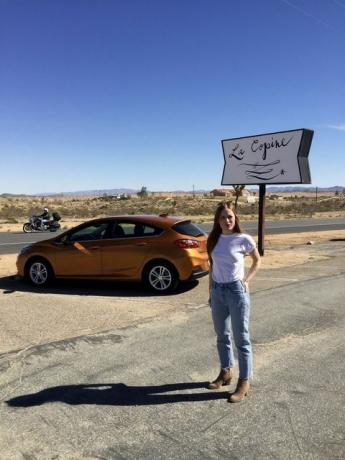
[246, 286]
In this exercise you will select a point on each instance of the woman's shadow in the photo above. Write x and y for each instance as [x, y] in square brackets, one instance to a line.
[117, 394]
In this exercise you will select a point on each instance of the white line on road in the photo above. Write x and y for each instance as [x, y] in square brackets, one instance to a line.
[21, 242]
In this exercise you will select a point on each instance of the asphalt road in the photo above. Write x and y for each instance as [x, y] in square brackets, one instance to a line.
[12, 242]
[139, 391]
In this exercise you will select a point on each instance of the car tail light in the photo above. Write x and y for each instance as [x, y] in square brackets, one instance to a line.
[187, 244]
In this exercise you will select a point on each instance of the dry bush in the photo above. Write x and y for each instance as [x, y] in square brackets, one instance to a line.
[201, 206]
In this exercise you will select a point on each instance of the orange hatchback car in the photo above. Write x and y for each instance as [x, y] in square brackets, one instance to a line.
[161, 251]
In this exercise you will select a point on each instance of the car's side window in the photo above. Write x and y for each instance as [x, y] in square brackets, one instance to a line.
[129, 228]
[117, 231]
[91, 232]
[123, 229]
[152, 231]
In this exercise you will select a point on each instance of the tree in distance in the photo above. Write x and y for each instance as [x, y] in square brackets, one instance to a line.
[143, 192]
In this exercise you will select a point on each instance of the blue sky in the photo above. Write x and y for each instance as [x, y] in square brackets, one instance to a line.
[114, 93]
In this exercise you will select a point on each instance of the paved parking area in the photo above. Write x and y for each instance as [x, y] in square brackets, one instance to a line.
[138, 390]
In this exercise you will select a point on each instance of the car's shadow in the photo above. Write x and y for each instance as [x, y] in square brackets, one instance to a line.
[117, 394]
[11, 284]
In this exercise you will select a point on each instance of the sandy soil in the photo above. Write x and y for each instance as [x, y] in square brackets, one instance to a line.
[280, 250]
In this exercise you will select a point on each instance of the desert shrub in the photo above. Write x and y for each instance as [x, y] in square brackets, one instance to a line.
[10, 212]
[199, 205]
[64, 211]
[107, 198]
[248, 208]
[11, 220]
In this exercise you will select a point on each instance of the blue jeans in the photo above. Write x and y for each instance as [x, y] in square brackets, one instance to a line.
[230, 306]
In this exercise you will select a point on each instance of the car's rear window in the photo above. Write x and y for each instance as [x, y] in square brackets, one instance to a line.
[188, 228]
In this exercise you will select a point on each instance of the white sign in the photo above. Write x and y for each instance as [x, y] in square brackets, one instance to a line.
[275, 158]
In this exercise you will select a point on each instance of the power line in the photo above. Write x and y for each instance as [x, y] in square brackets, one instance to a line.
[310, 15]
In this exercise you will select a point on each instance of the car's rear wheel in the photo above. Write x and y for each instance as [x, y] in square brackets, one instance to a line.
[161, 277]
[39, 272]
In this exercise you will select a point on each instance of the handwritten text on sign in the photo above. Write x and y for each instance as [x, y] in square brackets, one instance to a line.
[267, 158]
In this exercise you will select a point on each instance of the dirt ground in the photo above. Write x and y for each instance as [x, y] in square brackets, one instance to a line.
[27, 323]
[280, 250]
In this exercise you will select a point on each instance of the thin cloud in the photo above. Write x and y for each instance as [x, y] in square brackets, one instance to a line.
[340, 127]
[338, 2]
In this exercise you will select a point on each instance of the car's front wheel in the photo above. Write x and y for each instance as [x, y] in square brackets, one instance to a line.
[161, 277]
[39, 272]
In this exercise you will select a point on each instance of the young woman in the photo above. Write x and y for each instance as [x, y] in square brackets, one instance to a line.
[229, 297]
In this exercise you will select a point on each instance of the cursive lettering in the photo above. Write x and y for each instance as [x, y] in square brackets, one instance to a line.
[237, 154]
[265, 146]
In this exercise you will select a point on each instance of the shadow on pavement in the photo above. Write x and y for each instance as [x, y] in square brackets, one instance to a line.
[11, 284]
[118, 394]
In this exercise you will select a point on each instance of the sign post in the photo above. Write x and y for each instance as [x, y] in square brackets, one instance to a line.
[274, 158]
[261, 224]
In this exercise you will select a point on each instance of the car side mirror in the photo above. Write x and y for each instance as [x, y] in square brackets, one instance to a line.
[65, 241]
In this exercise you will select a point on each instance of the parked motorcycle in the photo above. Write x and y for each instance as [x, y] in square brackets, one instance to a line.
[37, 224]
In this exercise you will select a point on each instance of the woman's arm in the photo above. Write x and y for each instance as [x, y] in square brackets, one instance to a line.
[256, 262]
[209, 283]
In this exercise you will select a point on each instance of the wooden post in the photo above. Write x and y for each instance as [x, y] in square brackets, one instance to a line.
[261, 229]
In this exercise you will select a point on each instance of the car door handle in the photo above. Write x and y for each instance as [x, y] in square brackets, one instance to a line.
[95, 247]
[141, 244]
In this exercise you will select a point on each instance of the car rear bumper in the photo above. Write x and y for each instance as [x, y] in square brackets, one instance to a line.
[198, 273]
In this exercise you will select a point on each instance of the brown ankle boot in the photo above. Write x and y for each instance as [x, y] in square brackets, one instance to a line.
[224, 378]
[240, 392]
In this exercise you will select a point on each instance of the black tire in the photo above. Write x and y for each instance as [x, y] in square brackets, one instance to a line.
[27, 228]
[39, 272]
[160, 277]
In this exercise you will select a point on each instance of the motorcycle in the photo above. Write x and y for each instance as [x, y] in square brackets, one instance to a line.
[37, 224]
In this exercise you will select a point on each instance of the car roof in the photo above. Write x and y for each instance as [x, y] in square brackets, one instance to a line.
[163, 219]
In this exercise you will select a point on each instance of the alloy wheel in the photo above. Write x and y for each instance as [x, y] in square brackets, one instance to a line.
[160, 278]
[38, 273]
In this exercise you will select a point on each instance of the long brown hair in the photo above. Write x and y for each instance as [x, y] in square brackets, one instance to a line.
[217, 230]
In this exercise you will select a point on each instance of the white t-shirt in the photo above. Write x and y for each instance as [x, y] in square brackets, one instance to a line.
[228, 257]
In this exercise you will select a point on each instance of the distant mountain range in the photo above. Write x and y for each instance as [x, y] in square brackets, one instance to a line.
[335, 188]
[112, 191]
[129, 191]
